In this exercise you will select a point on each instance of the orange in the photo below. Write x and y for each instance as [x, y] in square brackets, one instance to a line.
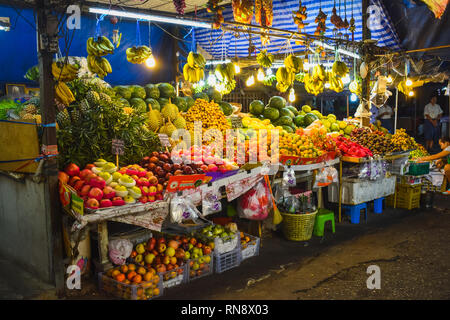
[141, 271]
[131, 267]
[153, 271]
[109, 273]
[148, 276]
[137, 279]
[120, 277]
[127, 281]
[115, 273]
[124, 268]
[131, 275]
[155, 279]
[140, 292]
[156, 292]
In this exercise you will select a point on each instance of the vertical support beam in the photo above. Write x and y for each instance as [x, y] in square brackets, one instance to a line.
[340, 191]
[47, 96]
[348, 107]
[365, 96]
[396, 110]
[176, 50]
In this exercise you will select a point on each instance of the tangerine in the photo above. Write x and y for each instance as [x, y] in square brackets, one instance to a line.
[156, 292]
[137, 278]
[131, 275]
[120, 277]
[132, 267]
[124, 268]
[148, 276]
[115, 273]
[141, 271]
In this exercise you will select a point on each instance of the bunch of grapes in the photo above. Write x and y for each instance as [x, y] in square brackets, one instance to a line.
[179, 6]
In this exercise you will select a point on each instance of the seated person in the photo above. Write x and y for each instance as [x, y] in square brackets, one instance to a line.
[441, 158]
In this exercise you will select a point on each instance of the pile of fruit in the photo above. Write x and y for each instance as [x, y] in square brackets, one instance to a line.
[419, 152]
[377, 142]
[210, 233]
[403, 141]
[203, 159]
[210, 115]
[351, 149]
[292, 144]
[145, 278]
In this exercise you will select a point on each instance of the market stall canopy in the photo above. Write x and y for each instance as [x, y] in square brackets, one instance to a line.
[227, 45]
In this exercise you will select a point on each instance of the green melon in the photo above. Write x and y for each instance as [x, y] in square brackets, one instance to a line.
[123, 91]
[226, 108]
[271, 113]
[138, 92]
[256, 107]
[189, 101]
[286, 112]
[138, 104]
[166, 90]
[180, 103]
[293, 110]
[214, 95]
[153, 103]
[310, 118]
[284, 120]
[152, 91]
[288, 129]
[201, 95]
[277, 102]
[299, 120]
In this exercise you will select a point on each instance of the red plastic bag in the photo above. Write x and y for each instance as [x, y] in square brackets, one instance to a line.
[255, 204]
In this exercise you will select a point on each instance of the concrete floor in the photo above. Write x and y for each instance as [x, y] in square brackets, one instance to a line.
[410, 248]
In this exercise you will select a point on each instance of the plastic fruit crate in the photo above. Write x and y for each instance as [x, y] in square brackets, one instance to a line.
[418, 169]
[408, 196]
[228, 260]
[204, 269]
[174, 277]
[142, 291]
[251, 248]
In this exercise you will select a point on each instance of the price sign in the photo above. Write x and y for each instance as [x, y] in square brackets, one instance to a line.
[164, 139]
[236, 122]
[118, 147]
[77, 204]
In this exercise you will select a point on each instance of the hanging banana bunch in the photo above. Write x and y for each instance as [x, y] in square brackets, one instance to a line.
[313, 84]
[98, 65]
[138, 55]
[64, 72]
[225, 74]
[265, 59]
[193, 70]
[63, 93]
[285, 79]
[335, 82]
[339, 69]
[319, 73]
[355, 87]
[293, 64]
[96, 51]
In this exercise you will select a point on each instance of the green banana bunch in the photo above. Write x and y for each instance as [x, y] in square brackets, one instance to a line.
[339, 69]
[99, 48]
[293, 64]
[265, 59]
[32, 73]
[225, 74]
[138, 55]
[98, 65]
[284, 79]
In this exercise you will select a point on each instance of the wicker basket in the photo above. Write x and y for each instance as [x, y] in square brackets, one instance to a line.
[298, 227]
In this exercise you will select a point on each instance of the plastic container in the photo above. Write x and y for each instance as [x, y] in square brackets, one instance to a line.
[355, 191]
[194, 273]
[174, 277]
[298, 227]
[408, 197]
[224, 246]
[419, 168]
[251, 248]
[228, 260]
[142, 291]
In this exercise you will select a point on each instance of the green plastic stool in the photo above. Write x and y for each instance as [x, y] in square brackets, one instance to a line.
[322, 217]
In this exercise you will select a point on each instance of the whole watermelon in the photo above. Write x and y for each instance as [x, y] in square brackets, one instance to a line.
[293, 110]
[138, 92]
[300, 121]
[214, 95]
[153, 103]
[288, 129]
[138, 104]
[124, 102]
[277, 102]
[151, 91]
[201, 95]
[180, 103]
[162, 102]
[271, 113]
[286, 112]
[256, 107]
[189, 101]
[166, 90]
[226, 108]
[123, 91]
[284, 120]
[310, 118]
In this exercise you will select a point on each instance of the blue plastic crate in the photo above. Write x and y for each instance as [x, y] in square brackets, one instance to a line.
[250, 249]
[207, 270]
[228, 260]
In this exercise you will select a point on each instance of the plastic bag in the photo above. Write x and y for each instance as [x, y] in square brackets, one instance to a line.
[211, 202]
[325, 177]
[119, 250]
[289, 179]
[182, 209]
[255, 204]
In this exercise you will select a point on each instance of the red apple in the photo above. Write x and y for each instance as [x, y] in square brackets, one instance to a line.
[159, 196]
[96, 193]
[105, 203]
[161, 268]
[84, 173]
[72, 169]
[92, 203]
[108, 193]
[97, 182]
[89, 166]
[85, 190]
[78, 185]
[143, 199]
[166, 260]
[118, 201]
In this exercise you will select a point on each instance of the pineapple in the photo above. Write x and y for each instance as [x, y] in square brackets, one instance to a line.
[63, 118]
[105, 98]
[28, 116]
[76, 116]
[38, 118]
[31, 108]
[84, 106]
[92, 97]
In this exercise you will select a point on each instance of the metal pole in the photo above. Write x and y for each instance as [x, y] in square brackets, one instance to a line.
[366, 81]
[396, 110]
[321, 105]
[47, 46]
[348, 107]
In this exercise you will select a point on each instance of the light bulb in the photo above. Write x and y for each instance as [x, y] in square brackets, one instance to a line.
[250, 81]
[237, 69]
[292, 95]
[408, 82]
[346, 79]
[260, 76]
[389, 79]
[219, 87]
[269, 72]
[201, 83]
[306, 65]
[211, 80]
[327, 85]
[353, 97]
[150, 62]
[411, 93]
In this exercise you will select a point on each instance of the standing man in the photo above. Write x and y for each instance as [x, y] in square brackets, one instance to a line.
[432, 115]
[385, 116]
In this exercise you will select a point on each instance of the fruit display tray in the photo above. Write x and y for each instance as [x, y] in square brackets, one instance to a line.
[207, 270]
[174, 277]
[223, 246]
[228, 260]
[129, 291]
[250, 249]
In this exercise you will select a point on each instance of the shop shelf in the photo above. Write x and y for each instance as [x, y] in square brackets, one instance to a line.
[142, 291]
[228, 260]
[250, 249]
[207, 270]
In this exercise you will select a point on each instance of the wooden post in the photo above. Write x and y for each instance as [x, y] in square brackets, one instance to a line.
[46, 33]
[348, 107]
[365, 96]
[396, 110]
[340, 191]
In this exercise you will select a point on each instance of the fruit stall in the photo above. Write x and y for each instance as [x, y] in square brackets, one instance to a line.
[200, 174]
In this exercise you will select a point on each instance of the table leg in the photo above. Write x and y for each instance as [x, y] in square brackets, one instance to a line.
[102, 229]
[340, 190]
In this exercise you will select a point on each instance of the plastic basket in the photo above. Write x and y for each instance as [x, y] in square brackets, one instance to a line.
[228, 260]
[298, 227]
[142, 291]
[408, 196]
[251, 248]
[418, 169]
[194, 273]
[174, 277]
